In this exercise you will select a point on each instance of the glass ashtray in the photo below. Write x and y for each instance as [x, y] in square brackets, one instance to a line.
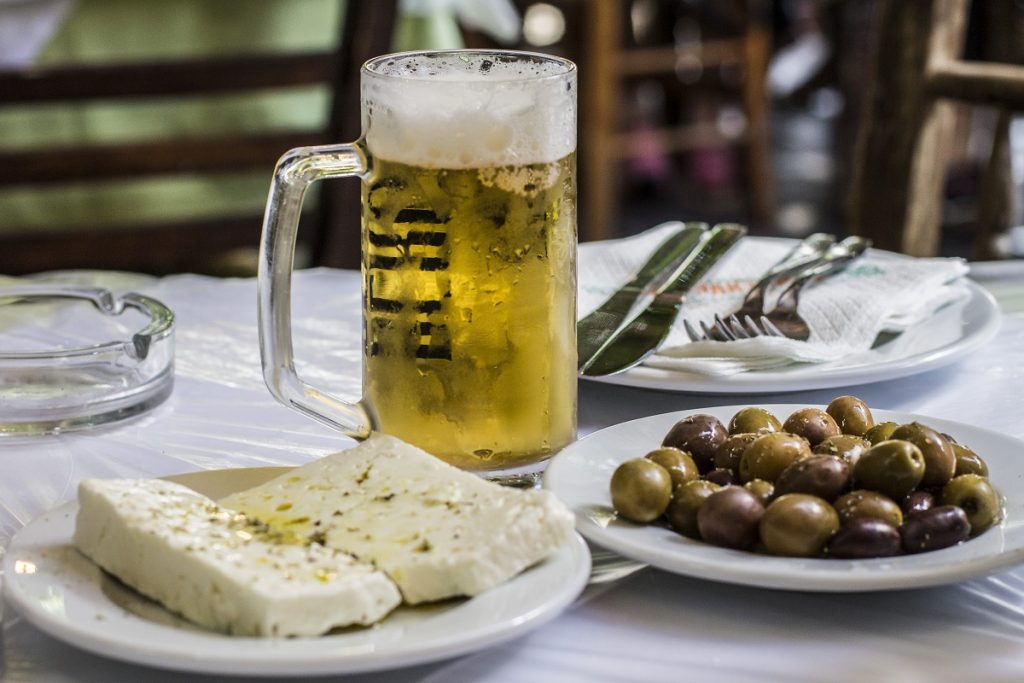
[77, 357]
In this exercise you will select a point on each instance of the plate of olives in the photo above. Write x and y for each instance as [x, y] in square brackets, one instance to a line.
[838, 498]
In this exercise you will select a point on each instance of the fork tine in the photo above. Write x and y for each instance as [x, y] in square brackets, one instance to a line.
[737, 327]
[723, 329]
[692, 333]
[752, 327]
[770, 328]
[709, 333]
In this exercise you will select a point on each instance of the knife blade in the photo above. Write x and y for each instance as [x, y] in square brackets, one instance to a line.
[597, 327]
[634, 341]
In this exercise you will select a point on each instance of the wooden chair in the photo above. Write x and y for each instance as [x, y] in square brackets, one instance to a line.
[906, 132]
[199, 244]
[605, 64]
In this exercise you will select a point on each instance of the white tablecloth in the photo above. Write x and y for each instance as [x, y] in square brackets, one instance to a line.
[652, 626]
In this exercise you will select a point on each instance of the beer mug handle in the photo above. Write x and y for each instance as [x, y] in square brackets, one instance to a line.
[295, 172]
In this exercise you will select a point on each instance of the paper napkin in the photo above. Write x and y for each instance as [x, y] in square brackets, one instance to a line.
[879, 293]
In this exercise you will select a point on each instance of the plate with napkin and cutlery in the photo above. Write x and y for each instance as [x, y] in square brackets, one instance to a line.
[657, 311]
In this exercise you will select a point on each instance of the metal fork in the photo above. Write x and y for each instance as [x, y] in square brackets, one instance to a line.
[784, 320]
[808, 251]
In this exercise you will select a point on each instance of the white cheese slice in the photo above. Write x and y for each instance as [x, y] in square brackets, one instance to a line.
[437, 531]
[220, 569]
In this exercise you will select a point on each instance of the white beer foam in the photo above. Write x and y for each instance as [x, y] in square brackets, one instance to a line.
[451, 111]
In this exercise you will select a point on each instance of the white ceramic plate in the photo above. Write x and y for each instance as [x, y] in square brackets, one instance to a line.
[580, 474]
[64, 594]
[947, 336]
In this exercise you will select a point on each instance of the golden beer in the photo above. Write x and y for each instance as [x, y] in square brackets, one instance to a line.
[469, 308]
[467, 163]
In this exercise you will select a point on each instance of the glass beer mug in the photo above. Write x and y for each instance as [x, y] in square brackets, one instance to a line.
[467, 164]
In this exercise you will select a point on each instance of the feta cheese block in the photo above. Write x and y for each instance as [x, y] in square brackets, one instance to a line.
[437, 531]
[221, 569]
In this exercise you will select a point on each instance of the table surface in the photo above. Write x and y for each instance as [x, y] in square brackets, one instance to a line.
[648, 626]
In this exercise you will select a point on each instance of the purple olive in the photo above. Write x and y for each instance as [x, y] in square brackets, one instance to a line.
[939, 527]
[863, 538]
[730, 517]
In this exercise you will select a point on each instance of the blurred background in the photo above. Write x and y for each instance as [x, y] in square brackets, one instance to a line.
[141, 136]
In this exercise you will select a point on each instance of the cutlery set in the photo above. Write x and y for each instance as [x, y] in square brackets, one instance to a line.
[637, 318]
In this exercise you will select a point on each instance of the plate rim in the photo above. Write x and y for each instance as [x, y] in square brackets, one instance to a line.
[787, 576]
[986, 308]
[304, 661]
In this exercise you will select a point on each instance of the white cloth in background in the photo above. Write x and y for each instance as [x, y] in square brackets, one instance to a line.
[25, 28]
[497, 18]
[878, 293]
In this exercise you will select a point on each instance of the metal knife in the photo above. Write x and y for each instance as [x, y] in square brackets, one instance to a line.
[597, 327]
[642, 335]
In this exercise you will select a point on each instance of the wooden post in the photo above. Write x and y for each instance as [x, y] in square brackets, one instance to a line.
[756, 49]
[599, 99]
[899, 163]
[365, 33]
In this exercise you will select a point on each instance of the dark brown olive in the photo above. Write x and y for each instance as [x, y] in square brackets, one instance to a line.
[863, 538]
[939, 461]
[798, 525]
[814, 424]
[939, 527]
[727, 456]
[893, 467]
[863, 504]
[978, 499]
[679, 465]
[729, 517]
[641, 490]
[968, 462]
[686, 501]
[880, 432]
[918, 501]
[754, 421]
[769, 454]
[847, 447]
[851, 414]
[763, 490]
[721, 476]
[698, 435]
[824, 476]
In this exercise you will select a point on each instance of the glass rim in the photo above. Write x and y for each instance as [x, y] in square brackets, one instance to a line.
[568, 66]
[159, 326]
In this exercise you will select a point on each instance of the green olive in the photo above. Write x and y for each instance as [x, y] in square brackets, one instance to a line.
[679, 465]
[799, 525]
[754, 420]
[851, 414]
[814, 424]
[727, 455]
[968, 462]
[686, 501]
[881, 432]
[939, 460]
[763, 490]
[769, 454]
[641, 490]
[978, 499]
[845, 446]
[863, 504]
[893, 468]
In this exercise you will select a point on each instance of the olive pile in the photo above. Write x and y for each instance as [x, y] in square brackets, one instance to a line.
[824, 483]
